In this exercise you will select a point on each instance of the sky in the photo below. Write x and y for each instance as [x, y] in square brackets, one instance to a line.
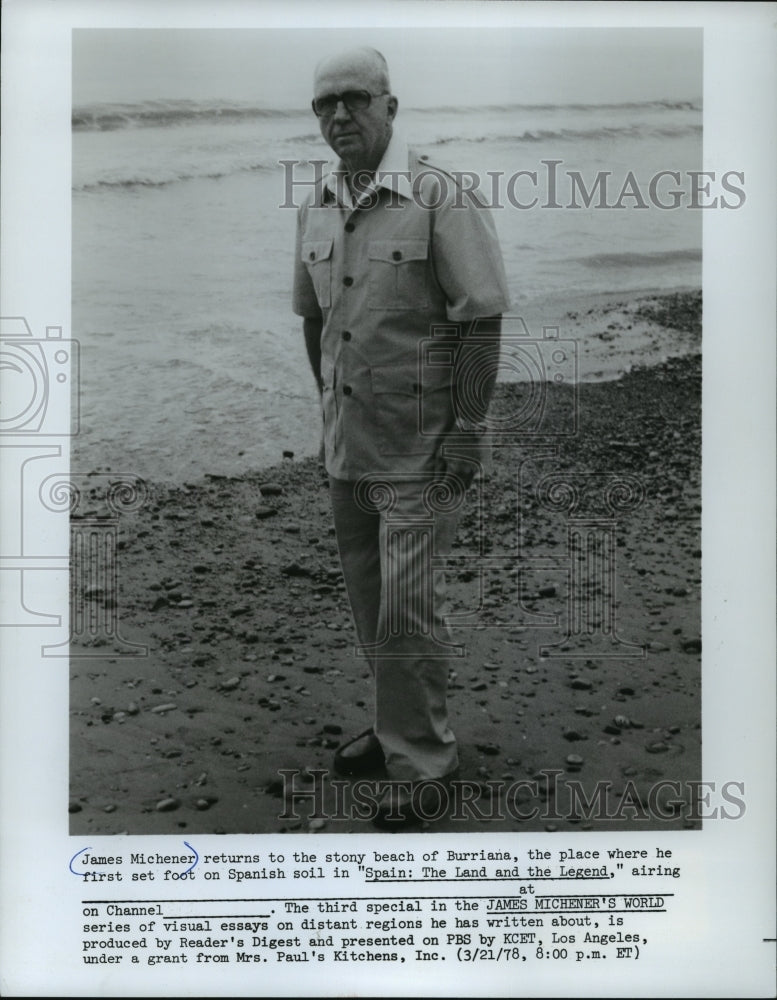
[429, 67]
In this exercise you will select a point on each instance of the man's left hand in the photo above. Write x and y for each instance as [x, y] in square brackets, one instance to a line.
[465, 456]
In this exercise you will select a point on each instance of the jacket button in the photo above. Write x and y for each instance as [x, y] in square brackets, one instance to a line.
[396, 255]
[347, 282]
[347, 390]
[346, 334]
[312, 255]
[349, 227]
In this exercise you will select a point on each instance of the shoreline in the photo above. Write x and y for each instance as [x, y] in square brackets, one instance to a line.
[607, 335]
[615, 332]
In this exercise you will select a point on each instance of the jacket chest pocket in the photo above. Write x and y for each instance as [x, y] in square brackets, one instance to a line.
[317, 257]
[398, 274]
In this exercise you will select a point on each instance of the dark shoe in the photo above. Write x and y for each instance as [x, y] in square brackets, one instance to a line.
[410, 803]
[361, 755]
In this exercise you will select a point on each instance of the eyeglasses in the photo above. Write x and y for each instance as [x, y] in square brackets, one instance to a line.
[354, 100]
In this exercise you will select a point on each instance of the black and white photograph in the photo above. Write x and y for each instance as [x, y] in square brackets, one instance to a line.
[396, 465]
[236, 311]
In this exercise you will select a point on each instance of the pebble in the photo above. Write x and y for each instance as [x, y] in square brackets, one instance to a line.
[657, 647]
[264, 512]
[274, 786]
[574, 760]
[231, 684]
[572, 735]
[490, 749]
[621, 721]
[656, 747]
[316, 824]
[109, 808]
[480, 686]
[159, 603]
[332, 728]
[271, 489]
[167, 707]
[579, 684]
[74, 807]
[626, 689]
[167, 805]
[294, 569]
[691, 646]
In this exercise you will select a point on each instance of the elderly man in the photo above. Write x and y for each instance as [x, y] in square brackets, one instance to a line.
[393, 255]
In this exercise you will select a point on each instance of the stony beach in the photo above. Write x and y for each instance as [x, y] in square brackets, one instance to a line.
[233, 584]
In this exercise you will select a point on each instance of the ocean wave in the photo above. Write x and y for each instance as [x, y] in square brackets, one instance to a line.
[156, 114]
[662, 105]
[165, 180]
[575, 135]
[103, 117]
[658, 258]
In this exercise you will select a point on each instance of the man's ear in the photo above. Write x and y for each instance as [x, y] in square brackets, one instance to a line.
[392, 104]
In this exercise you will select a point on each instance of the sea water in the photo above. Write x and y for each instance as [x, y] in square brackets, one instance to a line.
[191, 359]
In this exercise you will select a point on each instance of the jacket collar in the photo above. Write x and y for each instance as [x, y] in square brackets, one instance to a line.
[393, 173]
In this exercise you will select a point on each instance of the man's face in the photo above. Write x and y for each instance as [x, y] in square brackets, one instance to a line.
[358, 137]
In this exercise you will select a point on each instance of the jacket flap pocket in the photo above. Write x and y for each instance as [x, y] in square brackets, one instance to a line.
[404, 380]
[398, 251]
[314, 250]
